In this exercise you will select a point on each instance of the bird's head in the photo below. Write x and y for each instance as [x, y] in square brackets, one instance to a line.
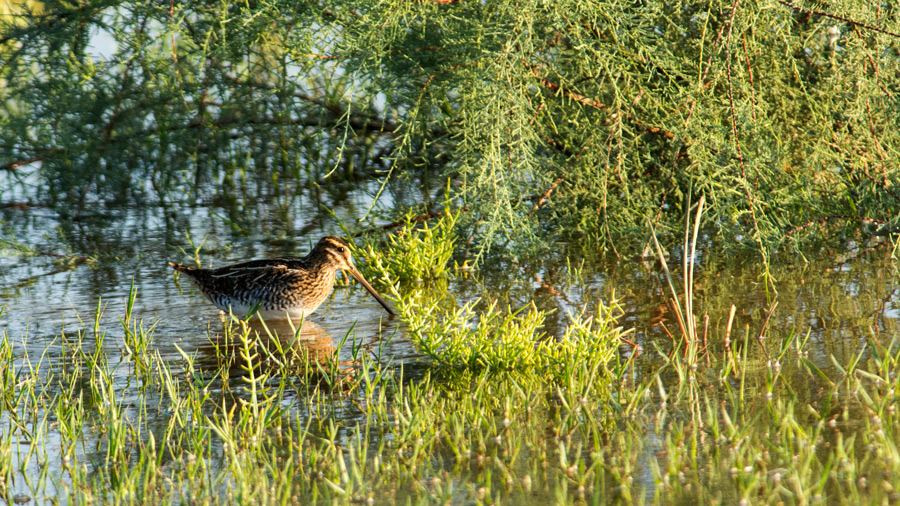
[338, 256]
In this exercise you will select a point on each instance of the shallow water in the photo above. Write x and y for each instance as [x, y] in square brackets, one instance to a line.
[41, 292]
[841, 302]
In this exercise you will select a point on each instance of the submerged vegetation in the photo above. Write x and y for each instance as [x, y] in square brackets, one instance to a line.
[576, 120]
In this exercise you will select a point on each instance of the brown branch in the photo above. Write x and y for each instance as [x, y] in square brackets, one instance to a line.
[545, 196]
[571, 94]
[15, 165]
[592, 102]
[839, 18]
[823, 219]
[638, 349]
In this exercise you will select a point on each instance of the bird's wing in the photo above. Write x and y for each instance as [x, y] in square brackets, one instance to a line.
[252, 277]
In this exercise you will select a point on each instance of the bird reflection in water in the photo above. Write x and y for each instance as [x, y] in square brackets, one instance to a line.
[278, 347]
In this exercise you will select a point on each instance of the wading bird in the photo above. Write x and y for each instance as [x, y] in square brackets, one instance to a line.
[279, 287]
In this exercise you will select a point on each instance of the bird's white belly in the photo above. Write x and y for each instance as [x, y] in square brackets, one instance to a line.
[241, 310]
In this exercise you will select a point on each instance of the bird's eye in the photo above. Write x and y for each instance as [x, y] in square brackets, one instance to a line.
[340, 249]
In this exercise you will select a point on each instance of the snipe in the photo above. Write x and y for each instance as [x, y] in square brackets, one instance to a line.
[280, 286]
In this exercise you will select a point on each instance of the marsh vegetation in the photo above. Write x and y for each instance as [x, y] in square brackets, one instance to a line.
[639, 253]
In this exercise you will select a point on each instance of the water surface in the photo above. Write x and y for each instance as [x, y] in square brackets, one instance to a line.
[55, 270]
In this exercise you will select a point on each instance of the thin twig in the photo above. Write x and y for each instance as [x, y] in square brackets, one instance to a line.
[545, 196]
[568, 93]
[681, 325]
[839, 18]
[762, 330]
[823, 219]
[734, 129]
[15, 165]
[728, 329]
[592, 102]
[737, 141]
[705, 329]
[749, 72]
[674, 344]
[881, 151]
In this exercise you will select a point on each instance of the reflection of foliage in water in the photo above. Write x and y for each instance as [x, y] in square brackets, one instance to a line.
[176, 107]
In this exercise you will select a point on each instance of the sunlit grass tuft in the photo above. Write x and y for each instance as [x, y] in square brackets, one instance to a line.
[492, 338]
[417, 251]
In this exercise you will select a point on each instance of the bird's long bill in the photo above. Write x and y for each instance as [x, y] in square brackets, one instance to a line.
[359, 277]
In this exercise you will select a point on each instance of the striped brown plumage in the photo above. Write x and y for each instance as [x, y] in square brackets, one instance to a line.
[280, 287]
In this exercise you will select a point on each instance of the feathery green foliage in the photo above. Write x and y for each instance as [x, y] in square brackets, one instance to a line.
[480, 337]
[577, 119]
[490, 338]
[415, 252]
